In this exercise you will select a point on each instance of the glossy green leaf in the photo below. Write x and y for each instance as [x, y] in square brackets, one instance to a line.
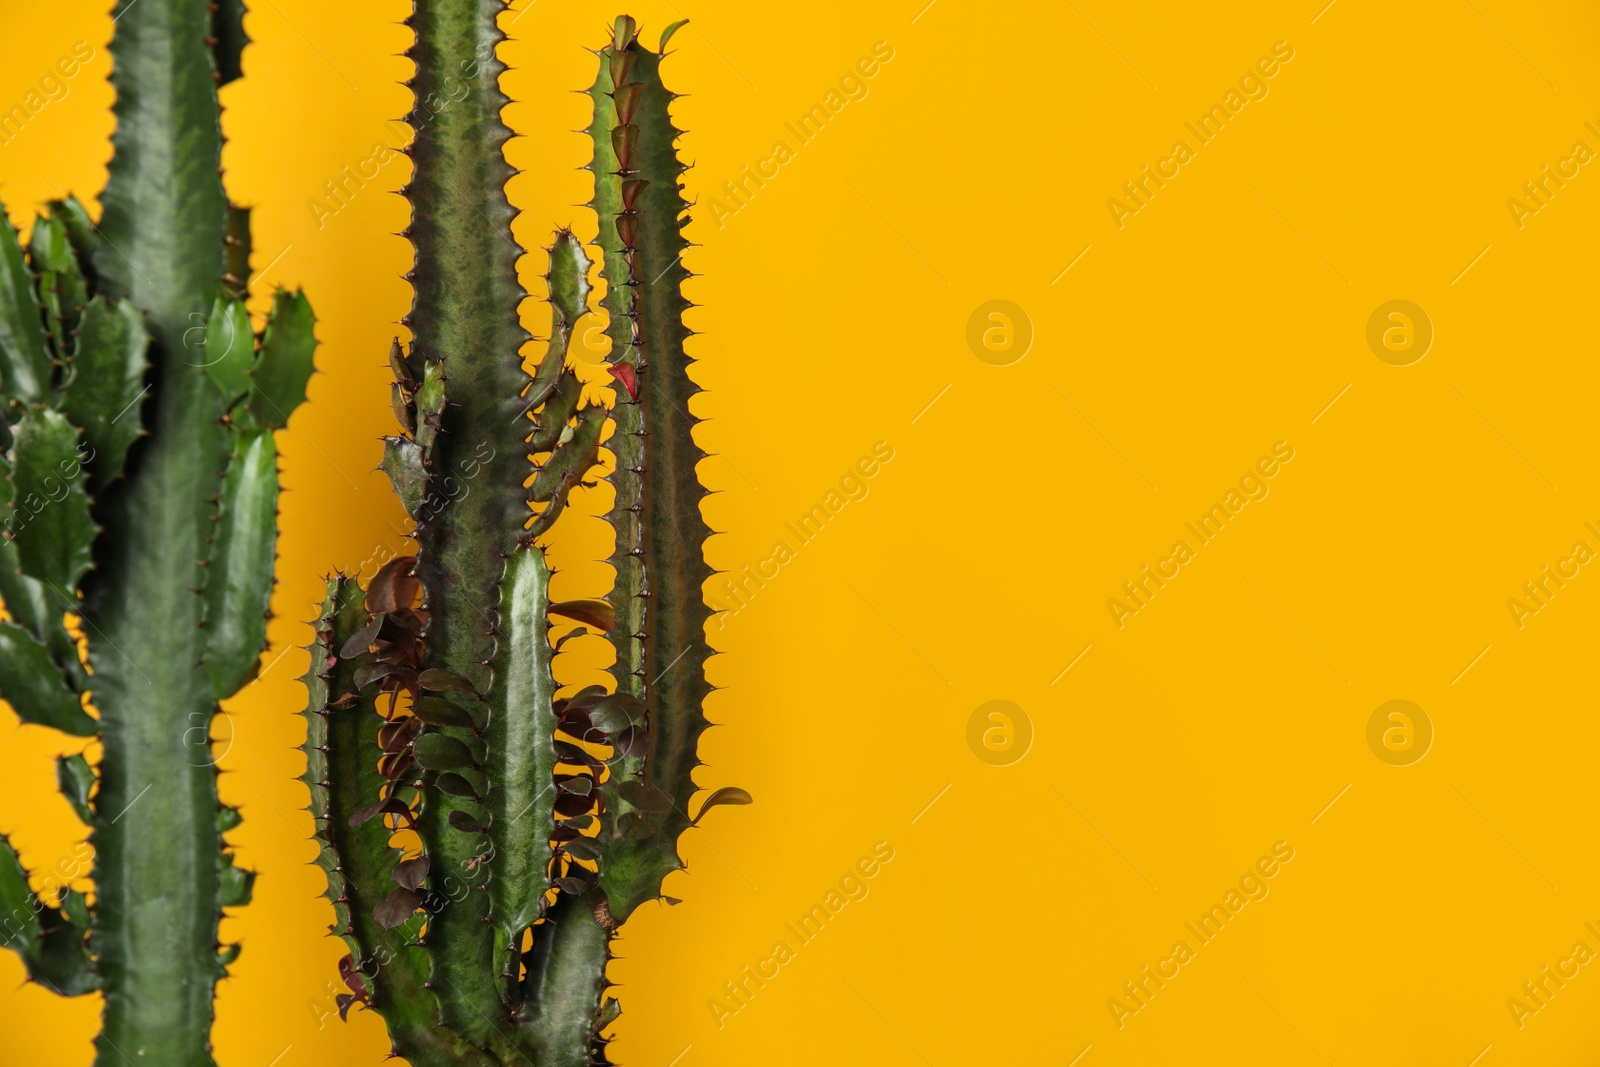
[25, 362]
[429, 402]
[32, 683]
[402, 462]
[227, 30]
[558, 409]
[76, 779]
[31, 604]
[238, 584]
[49, 521]
[285, 363]
[571, 460]
[75, 906]
[436, 752]
[62, 289]
[728, 794]
[237, 884]
[108, 383]
[54, 949]
[666, 34]
[230, 348]
[80, 229]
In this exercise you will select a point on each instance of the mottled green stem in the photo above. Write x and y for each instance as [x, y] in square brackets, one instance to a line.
[342, 726]
[155, 835]
[661, 614]
[465, 314]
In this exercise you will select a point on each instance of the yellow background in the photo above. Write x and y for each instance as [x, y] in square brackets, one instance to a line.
[1222, 718]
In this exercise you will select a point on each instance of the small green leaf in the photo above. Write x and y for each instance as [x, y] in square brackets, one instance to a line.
[75, 906]
[33, 606]
[32, 683]
[81, 230]
[728, 794]
[558, 408]
[456, 786]
[54, 949]
[440, 680]
[666, 34]
[582, 848]
[230, 348]
[235, 884]
[436, 752]
[571, 459]
[228, 818]
[227, 31]
[615, 713]
[25, 363]
[107, 384]
[16, 900]
[402, 462]
[597, 613]
[396, 908]
[239, 575]
[63, 961]
[285, 364]
[429, 403]
[62, 289]
[437, 711]
[76, 779]
[49, 521]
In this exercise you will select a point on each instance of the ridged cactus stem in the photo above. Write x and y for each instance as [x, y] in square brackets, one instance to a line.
[465, 317]
[149, 399]
[155, 832]
[433, 704]
[661, 614]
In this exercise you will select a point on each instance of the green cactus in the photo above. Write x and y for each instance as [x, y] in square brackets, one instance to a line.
[141, 489]
[542, 818]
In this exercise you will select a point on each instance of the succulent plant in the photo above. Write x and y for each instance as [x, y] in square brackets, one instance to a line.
[485, 832]
[141, 485]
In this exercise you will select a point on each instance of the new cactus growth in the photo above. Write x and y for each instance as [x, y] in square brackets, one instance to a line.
[537, 819]
[140, 489]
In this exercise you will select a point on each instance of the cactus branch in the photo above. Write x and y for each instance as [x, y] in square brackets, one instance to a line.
[661, 614]
[115, 440]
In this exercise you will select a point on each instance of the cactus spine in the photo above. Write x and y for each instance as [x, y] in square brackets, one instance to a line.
[141, 479]
[542, 819]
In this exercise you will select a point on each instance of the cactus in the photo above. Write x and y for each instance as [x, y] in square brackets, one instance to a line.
[140, 488]
[536, 819]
